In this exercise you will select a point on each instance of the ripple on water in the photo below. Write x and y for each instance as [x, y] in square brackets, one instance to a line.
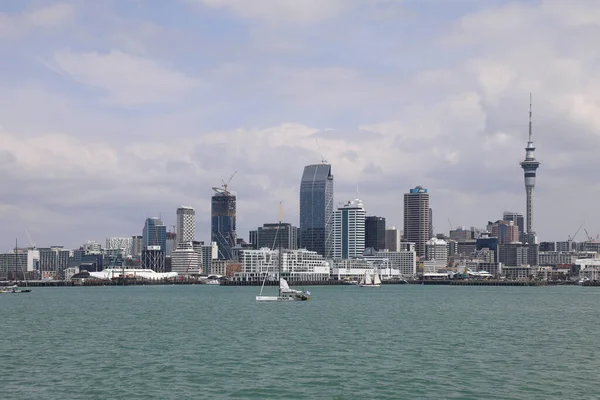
[408, 341]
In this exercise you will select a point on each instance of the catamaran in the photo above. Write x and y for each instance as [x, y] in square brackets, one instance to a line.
[367, 281]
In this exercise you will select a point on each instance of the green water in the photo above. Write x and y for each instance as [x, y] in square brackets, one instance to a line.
[396, 342]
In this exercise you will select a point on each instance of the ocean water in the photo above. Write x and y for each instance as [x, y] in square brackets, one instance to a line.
[393, 342]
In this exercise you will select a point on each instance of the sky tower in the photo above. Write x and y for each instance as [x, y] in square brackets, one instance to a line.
[529, 165]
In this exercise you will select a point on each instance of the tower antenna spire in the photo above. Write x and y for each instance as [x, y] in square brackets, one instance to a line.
[530, 116]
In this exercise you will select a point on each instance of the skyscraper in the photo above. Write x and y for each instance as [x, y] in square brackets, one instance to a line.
[277, 235]
[518, 219]
[154, 234]
[186, 224]
[416, 218]
[529, 165]
[375, 232]
[316, 209]
[223, 219]
[349, 230]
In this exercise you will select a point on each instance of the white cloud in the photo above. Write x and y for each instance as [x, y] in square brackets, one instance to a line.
[50, 16]
[125, 78]
[281, 10]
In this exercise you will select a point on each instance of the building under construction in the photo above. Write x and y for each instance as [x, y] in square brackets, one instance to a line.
[223, 219]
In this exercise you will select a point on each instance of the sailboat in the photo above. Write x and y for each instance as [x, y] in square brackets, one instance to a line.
[367, 281]
[285, 293]
[15, 288]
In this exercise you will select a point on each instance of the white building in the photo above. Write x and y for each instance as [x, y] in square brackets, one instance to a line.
[349, 230]
[92, 247]
[296, 265]
[120, 245]
[404, 261]
[185, 260]
[186, 224]
[436, 251]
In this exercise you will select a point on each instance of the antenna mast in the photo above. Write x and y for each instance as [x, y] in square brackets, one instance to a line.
[529, 116]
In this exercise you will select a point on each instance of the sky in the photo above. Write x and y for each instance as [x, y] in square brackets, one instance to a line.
[116, 110]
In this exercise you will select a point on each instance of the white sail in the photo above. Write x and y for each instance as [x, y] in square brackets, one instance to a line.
[367, 279]
[283, 284]
[376, 280]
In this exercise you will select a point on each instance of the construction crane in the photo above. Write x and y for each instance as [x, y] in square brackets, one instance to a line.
[223, 188]
[572, 238]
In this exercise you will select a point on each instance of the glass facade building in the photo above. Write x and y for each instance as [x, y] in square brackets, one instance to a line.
[316, 209]
[222, 225]
[154, 234]
[375, 232]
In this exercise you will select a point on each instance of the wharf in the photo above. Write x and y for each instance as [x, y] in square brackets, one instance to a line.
[484, 282]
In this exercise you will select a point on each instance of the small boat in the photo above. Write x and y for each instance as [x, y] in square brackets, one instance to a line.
[212, 282]
[285, 293]
[367, 281]
[13, 289]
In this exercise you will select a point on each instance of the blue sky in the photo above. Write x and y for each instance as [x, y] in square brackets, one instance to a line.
[112, 111]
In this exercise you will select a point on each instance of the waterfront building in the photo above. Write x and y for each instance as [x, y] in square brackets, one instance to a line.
[154, 234]
[122, 245]
[208, 253]
[185, 224]
[153, 258]
[530, 166]
[316, 209]
[223, 221]
[53, 261]
[349, 230]
[296, 265]
[375, 233]
[436, 250]
[405, 261]
[393, 237]
[416, 218]
[185, 260]
[276, 235]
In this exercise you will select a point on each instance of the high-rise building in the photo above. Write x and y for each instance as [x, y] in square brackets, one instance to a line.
[154, 234]
[529, 165]
[519, 221]
[393, 237]
[186, 224]
[121, 245]
[316, 209]
[275, 235]
[349, 230]
[505, 231]
[375, 233]
[223, 221]
[137, 244]
[416, 218]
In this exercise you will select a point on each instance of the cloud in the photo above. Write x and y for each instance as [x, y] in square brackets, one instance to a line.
[46, 17]
[126, 79]
[280, 10]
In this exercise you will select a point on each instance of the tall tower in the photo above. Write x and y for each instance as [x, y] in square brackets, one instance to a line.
[316, 209]
[223, 220]
[349, 230]
[416, 218]
[529, 165]
[186, 224]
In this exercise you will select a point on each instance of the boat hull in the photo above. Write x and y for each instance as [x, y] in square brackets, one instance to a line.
[277, 298]
[369, 285]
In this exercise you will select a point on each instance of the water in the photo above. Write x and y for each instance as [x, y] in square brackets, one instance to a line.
[397, 341]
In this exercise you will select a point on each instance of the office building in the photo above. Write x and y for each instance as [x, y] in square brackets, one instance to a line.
[223, 221]
[416, 218]
[186, 224]
[276, 235]
[154, 234]
[375, 233]
[316, 209]
[349, 230]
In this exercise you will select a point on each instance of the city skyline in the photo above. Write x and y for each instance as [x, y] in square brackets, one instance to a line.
[114, 112]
